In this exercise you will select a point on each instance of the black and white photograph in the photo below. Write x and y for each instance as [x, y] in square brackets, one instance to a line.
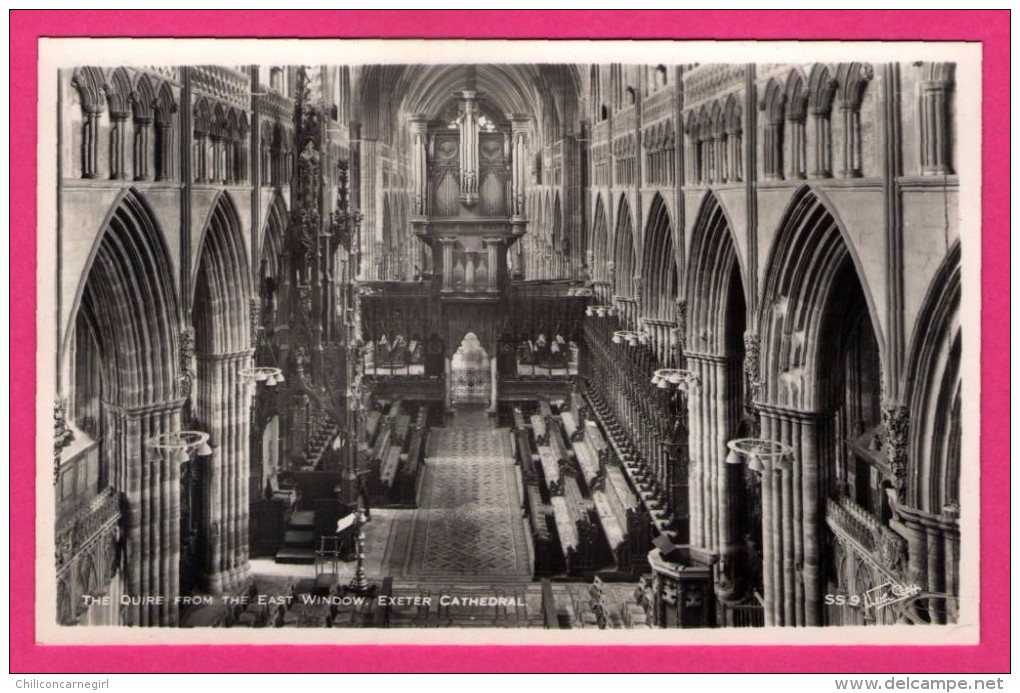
[617, 342]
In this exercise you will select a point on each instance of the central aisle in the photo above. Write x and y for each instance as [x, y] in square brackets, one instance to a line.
[469, 526]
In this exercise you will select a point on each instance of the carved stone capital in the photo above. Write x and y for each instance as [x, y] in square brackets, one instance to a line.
[896, 421]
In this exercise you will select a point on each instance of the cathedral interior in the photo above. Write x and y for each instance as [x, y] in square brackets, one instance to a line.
[507, 345]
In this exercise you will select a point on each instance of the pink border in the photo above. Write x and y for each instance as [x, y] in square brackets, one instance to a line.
[988, 27]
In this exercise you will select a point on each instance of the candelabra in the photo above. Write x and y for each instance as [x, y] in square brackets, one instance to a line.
[683, 380]
[262, 374]
[360, 584]
[759, 453]
[632, 337]
[181, 444]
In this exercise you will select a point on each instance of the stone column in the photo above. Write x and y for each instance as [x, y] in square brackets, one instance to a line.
[735, 141]
[773, 150]
[823, 144]
[201, 172]
[519, 166]
[851, 115]
[935, 136]
[448, 397]
[447, 245]
[494, 400]
[151, 485]
[118, 134]
[419, 166]
[141, 148]
[492, 247]
[224, 404]
[90, 143]
[798, 147]
[164, 151]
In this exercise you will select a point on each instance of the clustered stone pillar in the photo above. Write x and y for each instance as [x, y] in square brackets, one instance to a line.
[791, 516]
[141, 148]
[519, 166]
[735, 141]
[200, 158]
[164, 150]
[151, 483]
[225, 405]
[851, 113]
[90, 143]
[798, 146]
[715, 411]
[935, 142]
[419, 166]
[720, 156]
[823, 143]
[118, 134]
[933, 550]
[773, 149]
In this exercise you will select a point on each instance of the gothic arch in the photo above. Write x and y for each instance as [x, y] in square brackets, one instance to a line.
[717, 320]
[821, 395]
[129, 294]
[600, 242]
[659, 268]
[809, 252]
[933, 394]
[625, 267]
[271, 255]
[713, 262]
[222, 322]
[126, 315]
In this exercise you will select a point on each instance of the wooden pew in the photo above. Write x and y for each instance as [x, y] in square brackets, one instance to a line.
[372, 420]
[544, 410]
[400, 429]
[551, 470]
[540, 428]
[390, 466]
[573, 430]
[613, 527]
[566, 529]
[519, 421]
[588, 463]
[526, 455]
[580, 557]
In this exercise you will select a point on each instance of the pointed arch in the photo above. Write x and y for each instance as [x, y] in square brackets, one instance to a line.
[600, 242]
[821, 90]
[118, 92]
[143, 99]
[222, 282]
[273, 232]
[659, 268]
[124, 388]
[129, 296]
[710, 274]
[809, 259]
[820, 394]
[624, 267]
[933, 394]
[89, 82]
[222, 317]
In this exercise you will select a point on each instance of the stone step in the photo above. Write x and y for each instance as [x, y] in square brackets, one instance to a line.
[299, 538]
[302, 518]
[295, 555]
